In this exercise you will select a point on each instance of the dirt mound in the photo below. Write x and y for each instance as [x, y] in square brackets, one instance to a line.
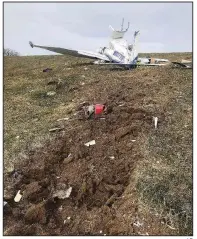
[98, 176]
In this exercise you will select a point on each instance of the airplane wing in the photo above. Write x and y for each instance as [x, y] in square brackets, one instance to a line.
[76, 53]
[128, 65]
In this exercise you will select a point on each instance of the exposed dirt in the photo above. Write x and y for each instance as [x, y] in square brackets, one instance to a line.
[98, 175]
[103, 199]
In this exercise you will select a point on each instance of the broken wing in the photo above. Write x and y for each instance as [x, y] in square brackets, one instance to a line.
[77, 53]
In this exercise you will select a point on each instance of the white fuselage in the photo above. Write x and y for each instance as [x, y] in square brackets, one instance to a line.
[119, 52]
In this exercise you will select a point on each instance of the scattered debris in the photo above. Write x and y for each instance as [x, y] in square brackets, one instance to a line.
[112, 157]
[172, 228]
[183, 65]
[92, 142]
[51, 93]
[143, 234]
[55, 129]
[68, 218]
[138, 224]
[63, 119]
[155, 119]
[17, 137]
[62, 193]
[47, 69]
[133, 140]
[94, 110]
[18, 196]
[4, 203]
[99, 109]
[121, 105]
[89, 111]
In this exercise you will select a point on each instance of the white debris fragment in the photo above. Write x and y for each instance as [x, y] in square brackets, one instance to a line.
[138, 224]
[17, 137]
[83, 76]
[92, 142]
[51, 93]
[68, 218]
[68, 192]
[101, 231]
[144, 234]
[55, 129]
[133, 140]
[155, 119]
[82, 83]
[63, 119]
[121, 105]
[172, 228]
[18, 196]
[85, 68]
[62, 194]
[4, 203]
[112, 157]
[60, 208]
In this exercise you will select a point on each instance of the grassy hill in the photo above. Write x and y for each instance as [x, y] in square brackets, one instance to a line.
[135, 181]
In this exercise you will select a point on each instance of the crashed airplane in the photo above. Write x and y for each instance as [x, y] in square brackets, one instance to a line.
[119, 52]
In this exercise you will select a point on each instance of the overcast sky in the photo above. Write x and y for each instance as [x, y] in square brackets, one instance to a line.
[164, 27]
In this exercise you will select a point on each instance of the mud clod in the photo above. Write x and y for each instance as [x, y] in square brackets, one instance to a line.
[31, 190]
[36, 214]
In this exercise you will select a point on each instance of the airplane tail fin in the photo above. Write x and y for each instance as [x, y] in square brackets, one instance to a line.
[136, 37]
[134, 49]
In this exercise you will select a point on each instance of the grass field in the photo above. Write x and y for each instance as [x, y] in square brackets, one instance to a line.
[151, 176]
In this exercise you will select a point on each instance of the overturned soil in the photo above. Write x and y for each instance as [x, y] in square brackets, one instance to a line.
[103, 199]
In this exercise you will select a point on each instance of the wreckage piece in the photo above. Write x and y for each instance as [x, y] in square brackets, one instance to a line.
[182, 65]
[94, 110]
[18, 196]
[118, 52]
[61, 192]
[92, 142]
